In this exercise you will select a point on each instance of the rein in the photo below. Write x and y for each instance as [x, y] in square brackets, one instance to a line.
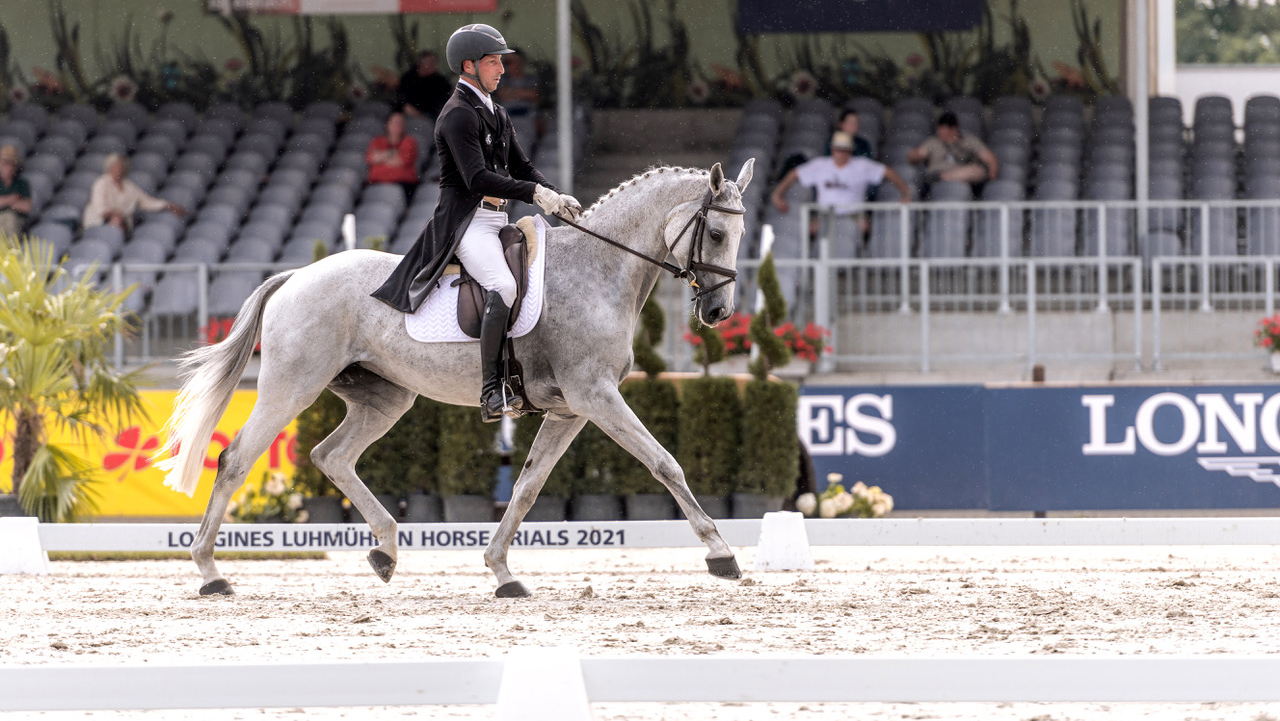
[699, 224]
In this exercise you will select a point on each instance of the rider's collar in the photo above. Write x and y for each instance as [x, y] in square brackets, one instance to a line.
[484, 97]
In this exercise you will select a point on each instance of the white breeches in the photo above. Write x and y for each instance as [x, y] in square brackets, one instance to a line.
[481, 254]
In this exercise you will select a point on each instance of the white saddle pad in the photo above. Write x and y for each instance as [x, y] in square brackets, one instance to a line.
[436, 320]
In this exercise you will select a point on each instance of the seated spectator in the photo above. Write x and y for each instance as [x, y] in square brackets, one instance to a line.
[849, 124]
[115, 199]
[15, 195]
[841, 179]
[422, 90]
[518, 92]
[393, 158]
[953, 156]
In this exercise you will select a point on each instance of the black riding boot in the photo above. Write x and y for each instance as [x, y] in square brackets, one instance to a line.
[493, 333]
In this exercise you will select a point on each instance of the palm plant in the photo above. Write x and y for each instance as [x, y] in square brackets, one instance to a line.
[55, 334]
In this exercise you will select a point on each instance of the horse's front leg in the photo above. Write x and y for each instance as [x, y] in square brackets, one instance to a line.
[611, 413]
[554, 436]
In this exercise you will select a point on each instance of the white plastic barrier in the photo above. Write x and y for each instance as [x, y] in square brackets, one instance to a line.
[1191, 679]
[678, 534]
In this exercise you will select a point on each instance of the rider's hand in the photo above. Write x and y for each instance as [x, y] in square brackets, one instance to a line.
[572, 207]
[551, 202]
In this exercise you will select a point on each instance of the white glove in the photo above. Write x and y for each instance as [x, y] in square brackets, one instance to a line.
[572, 207]
[551, 202]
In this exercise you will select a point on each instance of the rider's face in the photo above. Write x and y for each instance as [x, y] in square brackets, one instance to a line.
[490, 71]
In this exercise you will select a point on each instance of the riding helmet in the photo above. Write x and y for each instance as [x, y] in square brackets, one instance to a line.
[472, 42]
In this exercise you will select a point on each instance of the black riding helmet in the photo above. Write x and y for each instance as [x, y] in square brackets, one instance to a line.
[472, 42]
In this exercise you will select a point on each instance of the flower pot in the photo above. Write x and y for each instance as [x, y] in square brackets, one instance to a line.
[9, 506]
[547, 508]
[714, 506]
[323, 509]
[754, 505]
[388, 501]
[650, 507]
[597, 507]
[468, 509]
[424, 508]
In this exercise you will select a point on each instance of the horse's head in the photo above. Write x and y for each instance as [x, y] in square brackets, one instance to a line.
[713, 255]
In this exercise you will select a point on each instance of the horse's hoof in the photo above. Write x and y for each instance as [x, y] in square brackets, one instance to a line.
[724, 567]
[219, 587]
[383, 565]
[512, 589]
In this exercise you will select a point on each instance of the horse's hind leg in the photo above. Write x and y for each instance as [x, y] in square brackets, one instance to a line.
[265, 423]
[554, 436]
[374, 404]
[610, 412]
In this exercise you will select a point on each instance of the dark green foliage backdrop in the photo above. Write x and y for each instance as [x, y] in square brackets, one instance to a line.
[710, 434]
[404, 460]
[770, 448]
[468, 462]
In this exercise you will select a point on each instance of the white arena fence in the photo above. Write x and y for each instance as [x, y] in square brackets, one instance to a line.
[555, 683]
[567, 535]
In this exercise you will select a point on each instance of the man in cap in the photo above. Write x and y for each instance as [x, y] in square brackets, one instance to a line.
[15, 195]
[482, 168]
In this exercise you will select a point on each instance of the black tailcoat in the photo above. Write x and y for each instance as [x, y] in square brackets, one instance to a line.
[479, 156]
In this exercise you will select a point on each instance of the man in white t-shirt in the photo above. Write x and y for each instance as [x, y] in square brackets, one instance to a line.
[841, 180]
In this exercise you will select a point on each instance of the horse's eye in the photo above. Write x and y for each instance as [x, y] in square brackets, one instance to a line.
[717, 235]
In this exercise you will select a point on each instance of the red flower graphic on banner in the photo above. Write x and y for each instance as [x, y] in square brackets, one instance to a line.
[128, 441]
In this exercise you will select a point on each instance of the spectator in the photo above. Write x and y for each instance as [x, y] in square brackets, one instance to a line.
[15, 195]
[115, 199]
[849, 124]
[519, 90]
[393, 158]
[840, 178]
[953, 156]
[423, 91]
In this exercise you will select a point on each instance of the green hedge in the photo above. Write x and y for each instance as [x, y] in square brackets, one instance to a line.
[468, 462]
[770, 448]
[559, 483]
[657, 405]
[404, 460]
[710, 434]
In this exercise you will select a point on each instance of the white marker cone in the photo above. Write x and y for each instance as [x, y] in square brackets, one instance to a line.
[349, 231]
[20, 549]
[543, 683]
[784, 544]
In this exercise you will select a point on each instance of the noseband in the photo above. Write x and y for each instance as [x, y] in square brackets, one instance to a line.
[698, 222]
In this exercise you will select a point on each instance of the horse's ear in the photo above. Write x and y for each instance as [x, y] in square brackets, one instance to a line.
[717, 179]
[744, 175]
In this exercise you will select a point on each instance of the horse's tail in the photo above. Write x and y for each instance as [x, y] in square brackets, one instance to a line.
[211, 375]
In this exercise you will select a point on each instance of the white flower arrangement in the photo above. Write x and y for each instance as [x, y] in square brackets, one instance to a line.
[276, 501]
[860, 501]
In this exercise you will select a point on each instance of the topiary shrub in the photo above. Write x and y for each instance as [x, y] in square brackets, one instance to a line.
[770, 448]
[315, 424]
[772, 351]
[404, 460]
[710, 434]
[468, 462]
[560, 481]
[654, 401]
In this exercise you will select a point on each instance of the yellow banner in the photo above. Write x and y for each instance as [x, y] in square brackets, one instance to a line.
[131, 485]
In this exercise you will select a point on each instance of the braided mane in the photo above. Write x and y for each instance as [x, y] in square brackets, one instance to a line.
[642, 176]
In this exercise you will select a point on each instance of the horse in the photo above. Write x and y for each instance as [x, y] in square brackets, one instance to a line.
[318, 327]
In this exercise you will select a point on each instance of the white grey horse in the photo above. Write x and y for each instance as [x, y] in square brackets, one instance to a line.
[319, 328]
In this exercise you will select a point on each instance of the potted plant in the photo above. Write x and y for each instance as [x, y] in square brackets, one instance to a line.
[770, 452]
[709, 427]
[320, 498]
[468, 465]
[553, 500]
[272, 501]
[656, 404]
[860, 501]
[1267, 337]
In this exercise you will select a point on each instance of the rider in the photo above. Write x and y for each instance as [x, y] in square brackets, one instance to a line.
[482, 167]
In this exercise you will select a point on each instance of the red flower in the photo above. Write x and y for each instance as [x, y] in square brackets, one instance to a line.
[128, 440]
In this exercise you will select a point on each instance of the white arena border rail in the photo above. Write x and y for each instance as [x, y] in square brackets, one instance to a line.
[272, 537]
[540, 672]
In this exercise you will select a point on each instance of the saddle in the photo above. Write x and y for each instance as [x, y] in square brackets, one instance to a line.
[519, 248]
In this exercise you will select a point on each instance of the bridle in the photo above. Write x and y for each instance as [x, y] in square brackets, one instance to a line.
[698, 222]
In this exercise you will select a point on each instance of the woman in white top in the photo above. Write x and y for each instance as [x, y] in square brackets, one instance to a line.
[114, 198]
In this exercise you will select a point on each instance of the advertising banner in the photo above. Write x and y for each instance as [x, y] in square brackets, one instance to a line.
[130, 484]
[349, 7]
[857, 16]
[1050, 449]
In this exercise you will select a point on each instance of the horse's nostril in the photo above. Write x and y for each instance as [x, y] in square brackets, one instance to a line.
[717, 314]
